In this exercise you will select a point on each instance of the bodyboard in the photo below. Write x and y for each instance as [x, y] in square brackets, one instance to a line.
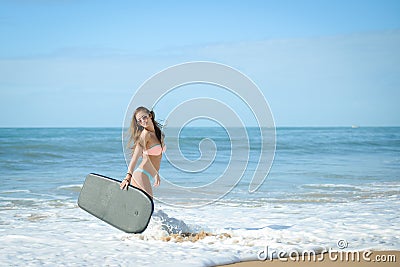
[128, 210]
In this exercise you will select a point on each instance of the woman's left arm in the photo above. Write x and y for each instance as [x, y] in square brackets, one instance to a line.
[156, 180]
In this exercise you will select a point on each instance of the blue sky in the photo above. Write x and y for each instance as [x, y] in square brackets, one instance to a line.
[318, 63]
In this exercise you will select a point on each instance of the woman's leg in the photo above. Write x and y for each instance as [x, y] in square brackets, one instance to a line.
[142, 181]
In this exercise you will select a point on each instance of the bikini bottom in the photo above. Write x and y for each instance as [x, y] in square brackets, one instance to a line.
[145, 172]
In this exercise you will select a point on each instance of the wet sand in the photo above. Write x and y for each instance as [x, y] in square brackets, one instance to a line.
[366, 258]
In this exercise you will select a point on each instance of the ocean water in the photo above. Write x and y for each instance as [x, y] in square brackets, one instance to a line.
[325, 185]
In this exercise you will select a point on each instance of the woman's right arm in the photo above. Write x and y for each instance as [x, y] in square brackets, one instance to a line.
[136, 154]
[135, 157]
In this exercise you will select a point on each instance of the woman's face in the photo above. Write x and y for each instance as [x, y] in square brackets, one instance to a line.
[143, 118]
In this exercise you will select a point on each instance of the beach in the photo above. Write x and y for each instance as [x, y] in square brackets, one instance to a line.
[329, 189]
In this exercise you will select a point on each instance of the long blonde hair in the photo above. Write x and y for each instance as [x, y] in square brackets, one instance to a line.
[135, 129]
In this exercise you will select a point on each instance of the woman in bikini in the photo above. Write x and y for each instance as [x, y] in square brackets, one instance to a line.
[148, 142]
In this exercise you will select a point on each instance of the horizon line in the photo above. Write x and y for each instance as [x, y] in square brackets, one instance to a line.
[203, 126]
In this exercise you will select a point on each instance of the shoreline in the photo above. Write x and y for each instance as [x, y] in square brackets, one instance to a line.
[344, 258]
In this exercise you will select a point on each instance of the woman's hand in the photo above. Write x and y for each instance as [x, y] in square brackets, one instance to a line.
[156, 180]
[125, 183]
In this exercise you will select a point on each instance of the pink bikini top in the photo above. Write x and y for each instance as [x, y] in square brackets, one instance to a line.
[155, 150]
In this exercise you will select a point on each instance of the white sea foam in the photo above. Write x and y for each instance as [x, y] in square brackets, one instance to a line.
[15, 191]
[71, 187]
[64, 234]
